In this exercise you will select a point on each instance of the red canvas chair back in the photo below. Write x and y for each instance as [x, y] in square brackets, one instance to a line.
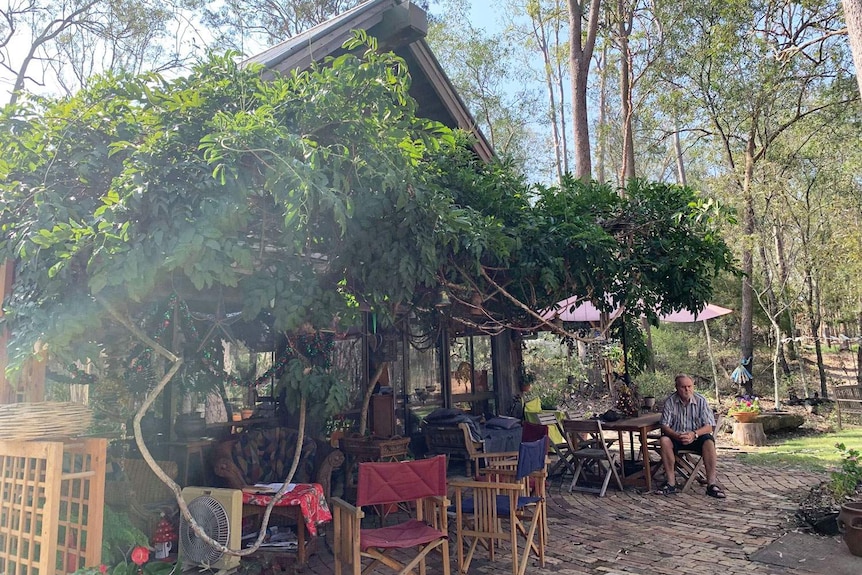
[533, 431]
[392, 482]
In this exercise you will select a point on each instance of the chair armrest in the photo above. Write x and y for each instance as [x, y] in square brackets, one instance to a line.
[473, 484]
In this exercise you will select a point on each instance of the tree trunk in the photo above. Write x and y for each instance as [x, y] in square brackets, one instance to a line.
[746, 340]
[677, 150]
[859, 354]
[814, 320]
[602, 138]
[853, 17]
[563, 124]
[542, 43]
[580, 54]
[624, 27]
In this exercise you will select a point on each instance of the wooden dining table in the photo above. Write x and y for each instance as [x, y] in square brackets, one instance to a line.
[642, 425]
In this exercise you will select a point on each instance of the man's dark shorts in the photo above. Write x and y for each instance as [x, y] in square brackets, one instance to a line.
[696, 445]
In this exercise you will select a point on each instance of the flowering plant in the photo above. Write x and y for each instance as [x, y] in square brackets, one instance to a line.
[140, 565]
[745, 404]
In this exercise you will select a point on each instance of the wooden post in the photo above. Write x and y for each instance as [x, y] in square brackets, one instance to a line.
[711, 359]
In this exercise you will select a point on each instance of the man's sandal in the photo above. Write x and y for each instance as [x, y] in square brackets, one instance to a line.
[668, 489]
[715, 491]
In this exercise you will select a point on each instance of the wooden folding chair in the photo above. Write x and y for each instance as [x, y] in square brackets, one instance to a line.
[689, 464]
[422, 485]
[503, 500]
[559, 443]
[588, 447]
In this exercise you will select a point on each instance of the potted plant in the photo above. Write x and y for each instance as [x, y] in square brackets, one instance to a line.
[745, 408]
[844, 484]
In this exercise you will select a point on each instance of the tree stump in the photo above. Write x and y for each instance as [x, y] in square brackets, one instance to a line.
[749, 433]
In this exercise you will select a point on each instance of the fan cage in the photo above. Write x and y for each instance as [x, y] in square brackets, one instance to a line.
[213, 519]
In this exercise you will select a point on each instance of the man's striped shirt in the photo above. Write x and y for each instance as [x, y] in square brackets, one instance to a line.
[683, 418]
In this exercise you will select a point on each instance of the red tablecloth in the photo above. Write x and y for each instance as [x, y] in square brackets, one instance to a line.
[307, 496]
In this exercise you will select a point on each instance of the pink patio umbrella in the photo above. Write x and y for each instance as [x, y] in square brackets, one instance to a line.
[576, 309]
[708, 312]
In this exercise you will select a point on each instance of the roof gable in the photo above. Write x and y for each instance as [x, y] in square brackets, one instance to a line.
[399, 26]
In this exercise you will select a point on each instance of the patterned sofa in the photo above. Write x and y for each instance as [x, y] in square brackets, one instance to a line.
[265, 456]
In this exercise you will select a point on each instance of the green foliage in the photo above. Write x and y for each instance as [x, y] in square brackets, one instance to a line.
[302, 194]
[845, 481]
[119, 536]
[551, 363]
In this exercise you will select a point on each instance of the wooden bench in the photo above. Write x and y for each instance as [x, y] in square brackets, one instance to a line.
[453, 442]
[848, 400]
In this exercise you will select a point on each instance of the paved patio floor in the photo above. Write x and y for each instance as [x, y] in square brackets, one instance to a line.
[683, 534]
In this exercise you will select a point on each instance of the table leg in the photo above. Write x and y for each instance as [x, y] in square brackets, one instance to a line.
[622, 455]
[645, 455]
[301, 551]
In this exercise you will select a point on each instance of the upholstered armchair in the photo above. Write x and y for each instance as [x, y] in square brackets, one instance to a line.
[265, 456]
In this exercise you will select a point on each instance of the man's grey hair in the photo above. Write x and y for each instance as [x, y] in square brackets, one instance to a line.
[681, 376]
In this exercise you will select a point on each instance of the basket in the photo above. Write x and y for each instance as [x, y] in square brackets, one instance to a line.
[43, 420]
[369, 449]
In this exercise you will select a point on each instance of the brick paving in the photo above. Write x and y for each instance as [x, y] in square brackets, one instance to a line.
[646, 534]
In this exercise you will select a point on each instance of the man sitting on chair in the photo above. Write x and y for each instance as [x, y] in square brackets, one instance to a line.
[687, 423]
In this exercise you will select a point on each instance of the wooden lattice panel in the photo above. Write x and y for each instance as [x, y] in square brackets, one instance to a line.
[51, 505]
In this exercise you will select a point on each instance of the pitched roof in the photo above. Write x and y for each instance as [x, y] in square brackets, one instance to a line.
[399, 26]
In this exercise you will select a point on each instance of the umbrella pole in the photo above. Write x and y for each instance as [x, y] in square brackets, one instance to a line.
[711, 359]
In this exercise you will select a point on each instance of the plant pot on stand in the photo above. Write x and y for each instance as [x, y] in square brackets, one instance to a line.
[744, 416]
[850, 525]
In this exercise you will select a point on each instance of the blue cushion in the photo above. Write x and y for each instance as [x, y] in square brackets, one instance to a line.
[502, 504]
[503, 422]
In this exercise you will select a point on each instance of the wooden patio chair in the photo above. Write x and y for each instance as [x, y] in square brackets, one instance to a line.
[589, 447]
[689, 464]
[501, 508]
[421, 485]
[558, 442]
[454, 441]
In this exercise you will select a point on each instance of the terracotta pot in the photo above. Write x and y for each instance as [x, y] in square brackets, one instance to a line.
[247, 413]
[850, 524]
[745, 416]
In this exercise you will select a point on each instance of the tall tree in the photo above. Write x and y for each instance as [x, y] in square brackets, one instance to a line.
[485, 70]
[541, 35]
[56, 45]
[725, 60]
[853, 17]
[582, 41]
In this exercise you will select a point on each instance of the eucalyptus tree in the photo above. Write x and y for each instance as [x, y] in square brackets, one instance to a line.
[485, 71]
[56, 45]
[582, 42]
[247, 25]
[538, 26]
[729, 62]
[853, 17]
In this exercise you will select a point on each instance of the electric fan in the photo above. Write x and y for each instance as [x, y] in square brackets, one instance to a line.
[219, 514]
